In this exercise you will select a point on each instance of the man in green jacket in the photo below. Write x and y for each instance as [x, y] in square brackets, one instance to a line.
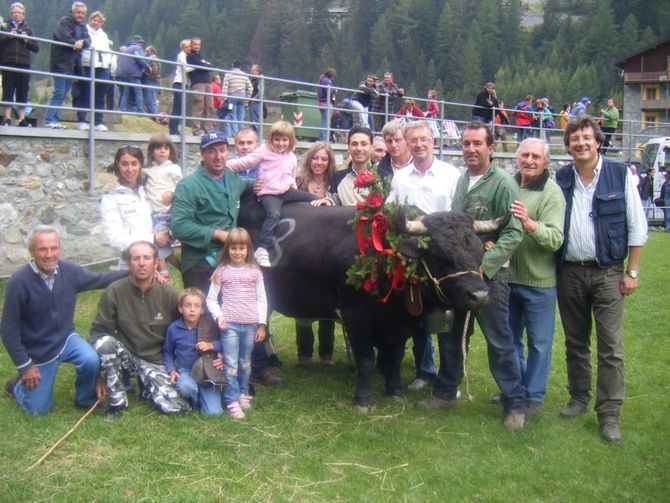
[128, 333]
[610, 118]
[485, 192]
[532, 272]
[205, 208]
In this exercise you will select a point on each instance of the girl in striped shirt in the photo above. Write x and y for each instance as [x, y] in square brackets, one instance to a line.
[237, 302]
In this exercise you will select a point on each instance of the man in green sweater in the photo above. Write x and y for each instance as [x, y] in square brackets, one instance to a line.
[128, 333]
[610, 118]
[485, 192]
[532, 272]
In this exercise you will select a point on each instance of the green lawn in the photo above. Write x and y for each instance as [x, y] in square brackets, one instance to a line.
[304, 443]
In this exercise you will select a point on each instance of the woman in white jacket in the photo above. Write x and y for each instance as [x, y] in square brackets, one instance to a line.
[125, 211]
[102, 63]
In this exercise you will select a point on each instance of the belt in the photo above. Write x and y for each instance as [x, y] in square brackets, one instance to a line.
[582, 263]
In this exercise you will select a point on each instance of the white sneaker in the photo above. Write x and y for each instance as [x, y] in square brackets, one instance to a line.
[101, 127]
[56, 125]
[262, 257]
[417, 383]
[83, 126]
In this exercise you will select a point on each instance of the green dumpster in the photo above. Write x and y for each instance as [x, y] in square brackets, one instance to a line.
[303, 118]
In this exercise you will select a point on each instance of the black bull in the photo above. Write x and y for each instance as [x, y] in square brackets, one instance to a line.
[314, 248]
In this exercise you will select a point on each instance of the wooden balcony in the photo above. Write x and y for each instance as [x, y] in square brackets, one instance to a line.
[642, 77]
[663, 104]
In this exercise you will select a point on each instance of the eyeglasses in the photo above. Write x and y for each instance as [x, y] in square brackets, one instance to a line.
[129, 145]
[424, 140]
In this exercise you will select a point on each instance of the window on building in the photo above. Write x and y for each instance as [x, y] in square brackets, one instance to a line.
[651, 92]
[650, 119]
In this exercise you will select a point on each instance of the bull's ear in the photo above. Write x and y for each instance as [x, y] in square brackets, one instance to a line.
[409, 247]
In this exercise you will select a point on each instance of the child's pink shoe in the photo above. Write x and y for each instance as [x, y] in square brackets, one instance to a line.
[235, 411]
[245, 401]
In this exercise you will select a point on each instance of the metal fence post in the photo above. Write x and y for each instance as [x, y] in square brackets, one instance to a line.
[91, 121]
[261, 92]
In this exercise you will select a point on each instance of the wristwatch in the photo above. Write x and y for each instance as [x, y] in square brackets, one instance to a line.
[632, 273]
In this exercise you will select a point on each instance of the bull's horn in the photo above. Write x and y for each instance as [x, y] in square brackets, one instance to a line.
[488, 226]
[415, 227]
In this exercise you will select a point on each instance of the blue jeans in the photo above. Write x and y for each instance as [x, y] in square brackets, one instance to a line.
[206, 397]
[84, 100]
[424, 355]
[176, 108]
[235, 119]
[62, 86]
[255, 115]
[150, 97]
[323, 132]
[137, 92]
[237, 342]
[272, 205]
[503, 360]
[78, 352]
[535, 310]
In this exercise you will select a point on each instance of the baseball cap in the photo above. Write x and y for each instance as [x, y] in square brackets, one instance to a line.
[137, 38]
[211, 138]
[585, 99]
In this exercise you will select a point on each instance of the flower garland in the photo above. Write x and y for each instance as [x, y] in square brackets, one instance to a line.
[379, 228]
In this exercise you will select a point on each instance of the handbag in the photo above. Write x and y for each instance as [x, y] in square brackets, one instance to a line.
[659, 202]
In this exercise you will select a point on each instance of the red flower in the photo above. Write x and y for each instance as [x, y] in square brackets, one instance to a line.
[370, 284]
[380, 223]
[364, 180]
[375, 201]
[360, 205]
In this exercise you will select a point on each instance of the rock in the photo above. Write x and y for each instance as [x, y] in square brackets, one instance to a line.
[12, 235]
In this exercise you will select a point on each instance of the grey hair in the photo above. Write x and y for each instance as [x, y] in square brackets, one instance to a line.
[41, 229]
[256, 67]
[19, 5]
[417, 125]
[545, 145]
[78, 5]
[392, 127]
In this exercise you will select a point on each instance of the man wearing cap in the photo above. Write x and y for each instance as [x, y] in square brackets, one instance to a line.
[130, 69]
[205, 208]
[580, 108]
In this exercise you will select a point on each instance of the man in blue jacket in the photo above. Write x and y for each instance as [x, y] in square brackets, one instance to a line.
[37, 327]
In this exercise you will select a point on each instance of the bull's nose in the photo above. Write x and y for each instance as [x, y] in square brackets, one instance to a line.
[479, 297]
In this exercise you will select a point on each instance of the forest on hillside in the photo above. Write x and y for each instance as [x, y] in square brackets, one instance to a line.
[454, 46]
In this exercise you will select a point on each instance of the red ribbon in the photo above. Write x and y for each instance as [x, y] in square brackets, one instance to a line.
[397, 280]
[359, 234]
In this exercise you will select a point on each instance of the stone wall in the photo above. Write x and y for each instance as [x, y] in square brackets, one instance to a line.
[44, 180]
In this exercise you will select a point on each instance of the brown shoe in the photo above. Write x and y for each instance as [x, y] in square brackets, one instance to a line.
[609, 431]
[573, 408]
[434, 402]
[267, 379]
[10, 385]
[533, 408]
[514, 422]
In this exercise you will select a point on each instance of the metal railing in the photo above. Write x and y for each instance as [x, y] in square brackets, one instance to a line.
[451, 118]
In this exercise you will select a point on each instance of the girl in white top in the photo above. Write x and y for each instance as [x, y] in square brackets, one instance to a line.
[162, 176]
[237, 302]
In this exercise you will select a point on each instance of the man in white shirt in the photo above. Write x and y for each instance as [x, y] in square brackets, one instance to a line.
[428, 184]
[604, 223]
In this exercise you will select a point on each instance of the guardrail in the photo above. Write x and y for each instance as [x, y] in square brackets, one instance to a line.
[451, 117]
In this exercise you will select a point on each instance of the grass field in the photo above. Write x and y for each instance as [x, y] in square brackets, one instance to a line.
[304, 443]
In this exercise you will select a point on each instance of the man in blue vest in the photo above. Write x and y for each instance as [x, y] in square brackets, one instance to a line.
[604, 223]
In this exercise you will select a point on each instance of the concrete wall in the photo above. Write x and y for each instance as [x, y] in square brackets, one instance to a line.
[44, 180]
